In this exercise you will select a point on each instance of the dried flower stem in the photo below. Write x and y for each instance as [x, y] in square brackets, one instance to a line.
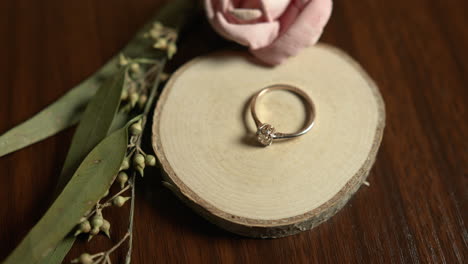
[100, 206]
[148, 105]
[105, 256]
[128, 257]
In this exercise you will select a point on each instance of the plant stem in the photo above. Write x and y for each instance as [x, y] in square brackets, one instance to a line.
[127, 235]
[149, 104]
[107, 203]
[128, 258]
[117, 194]
[105, 256]
[154, 90]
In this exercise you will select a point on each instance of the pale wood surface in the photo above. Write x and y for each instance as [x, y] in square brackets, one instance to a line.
[212, 161]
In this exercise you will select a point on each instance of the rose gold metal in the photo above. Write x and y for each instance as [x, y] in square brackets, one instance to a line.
[265, 132]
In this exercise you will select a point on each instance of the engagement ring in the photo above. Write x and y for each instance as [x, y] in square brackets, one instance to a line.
[266, 133]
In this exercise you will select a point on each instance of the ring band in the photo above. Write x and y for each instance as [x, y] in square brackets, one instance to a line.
[266, 133]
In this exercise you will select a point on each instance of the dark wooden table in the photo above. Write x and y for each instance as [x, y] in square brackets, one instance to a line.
[414, 211]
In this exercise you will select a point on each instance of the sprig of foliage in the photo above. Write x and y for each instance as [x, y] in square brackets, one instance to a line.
[78, 196]
[139, 93]
[104, 163]
[134, 161]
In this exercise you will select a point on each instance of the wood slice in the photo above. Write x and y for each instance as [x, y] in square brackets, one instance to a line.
[202, 135]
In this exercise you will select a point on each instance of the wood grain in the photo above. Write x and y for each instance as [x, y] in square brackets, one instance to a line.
[415, 210]
[212, 160]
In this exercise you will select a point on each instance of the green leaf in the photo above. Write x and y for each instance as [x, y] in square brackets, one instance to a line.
[93, 177]
[138, 47]
[58, 116]
[94, 125]
[92, 129]
[120, 119]
[59, 252]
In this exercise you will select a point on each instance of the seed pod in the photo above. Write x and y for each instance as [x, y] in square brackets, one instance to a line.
[136, 129]
[94, 231]
[105, 228]
[164, 76]
[84, 258]
[139, 160]
[135, 68]
[171, 50]
[83, 227]
[160, 44]
[133, 99]
[158, 25]
[122, 60]
[141, 170]
[125, 164]
[155, 33]
[142, 100]
[97, 221]
[122, 178]
[124, 95]
[150, 160]
[119, 201]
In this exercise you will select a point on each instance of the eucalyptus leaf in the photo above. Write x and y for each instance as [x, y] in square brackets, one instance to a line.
[120, 119]
[58, 116]
[93, 177]
[94, 124]
[175, 14]
[59, 252]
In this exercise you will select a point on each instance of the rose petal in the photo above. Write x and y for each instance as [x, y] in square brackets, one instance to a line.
[245, 15]
[225, 5]
[300, 28]
[274, 8]
[254, 36]
[271, 8]
[211, 6]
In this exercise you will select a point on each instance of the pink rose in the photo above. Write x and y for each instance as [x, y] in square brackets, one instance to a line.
[273, 29]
